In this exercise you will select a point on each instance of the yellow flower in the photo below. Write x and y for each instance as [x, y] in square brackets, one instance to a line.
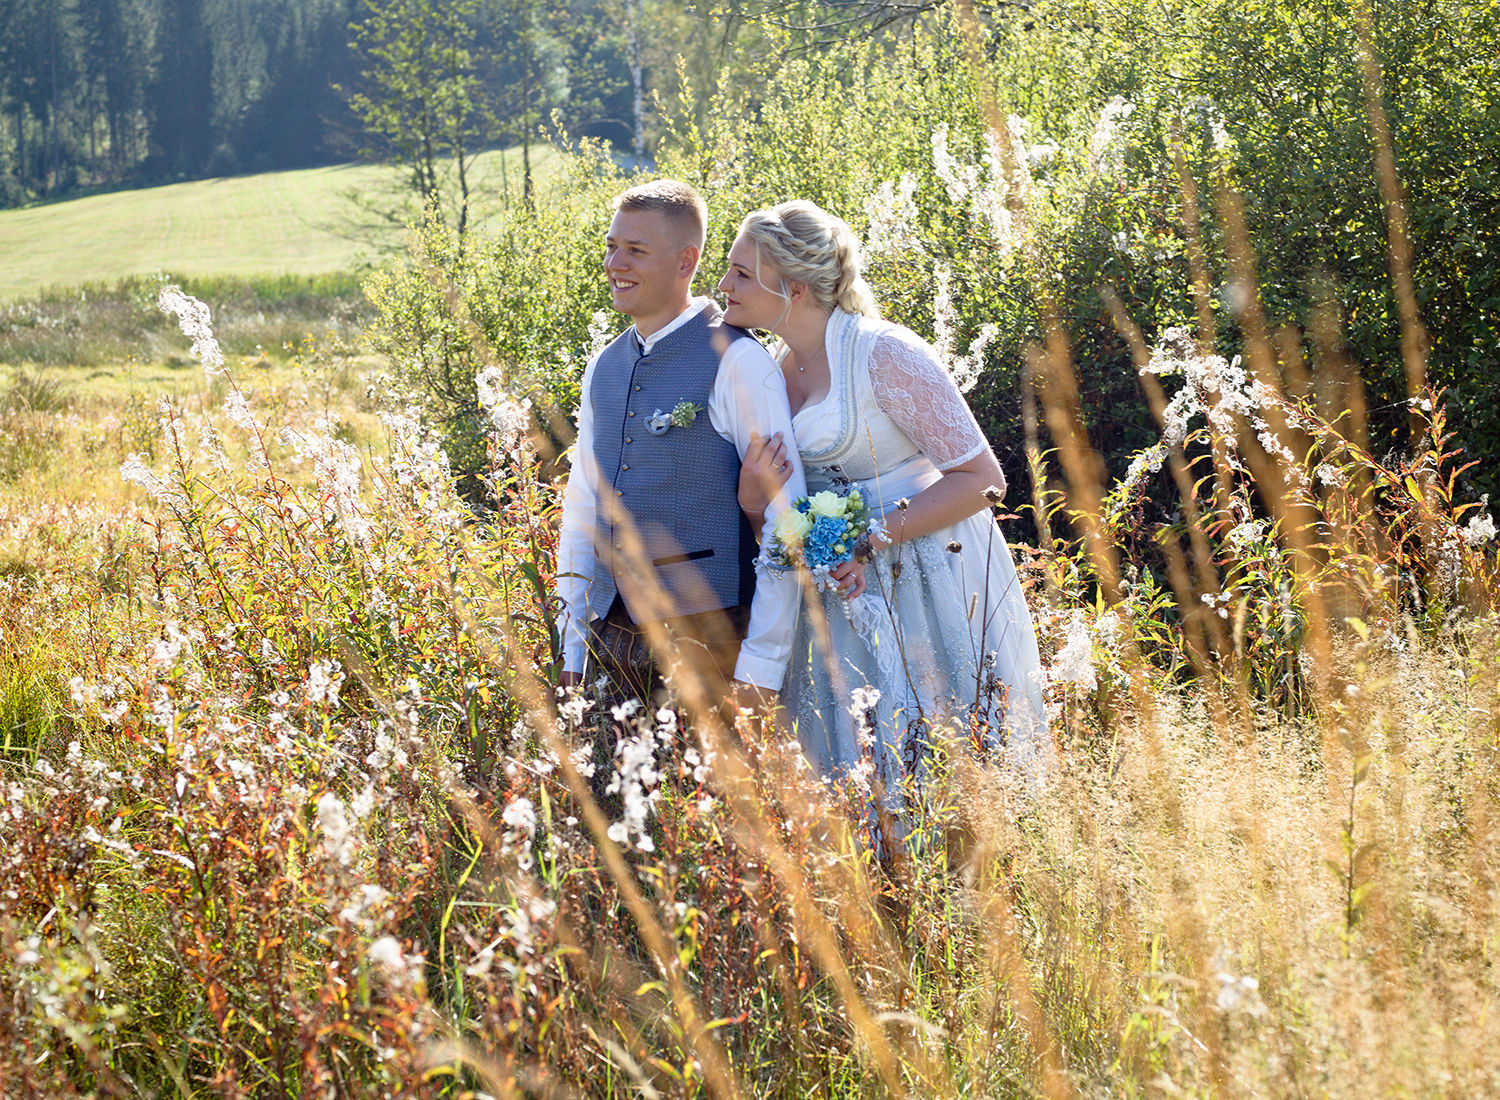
[827, 503]
[791, 527]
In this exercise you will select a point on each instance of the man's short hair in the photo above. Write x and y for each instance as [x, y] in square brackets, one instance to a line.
[676, 200]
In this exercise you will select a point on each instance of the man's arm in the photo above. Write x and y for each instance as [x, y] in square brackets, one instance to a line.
[749, 400]
[575, 542]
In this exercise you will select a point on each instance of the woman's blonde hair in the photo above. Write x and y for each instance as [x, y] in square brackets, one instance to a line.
[808, 245]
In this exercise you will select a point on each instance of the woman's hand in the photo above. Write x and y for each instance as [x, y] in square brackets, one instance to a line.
[765, 469]
[850, 578]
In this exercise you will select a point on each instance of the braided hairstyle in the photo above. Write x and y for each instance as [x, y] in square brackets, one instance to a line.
[806, 244]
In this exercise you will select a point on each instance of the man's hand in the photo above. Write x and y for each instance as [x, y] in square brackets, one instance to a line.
[759, 701]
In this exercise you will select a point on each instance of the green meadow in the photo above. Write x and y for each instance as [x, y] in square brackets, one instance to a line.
[310, 221]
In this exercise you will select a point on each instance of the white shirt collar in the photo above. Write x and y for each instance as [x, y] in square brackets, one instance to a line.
[696, 306]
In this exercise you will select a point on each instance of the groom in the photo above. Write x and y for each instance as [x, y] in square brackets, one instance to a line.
[654, 550]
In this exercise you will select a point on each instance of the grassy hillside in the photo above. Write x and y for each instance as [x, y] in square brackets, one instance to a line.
[301, 222]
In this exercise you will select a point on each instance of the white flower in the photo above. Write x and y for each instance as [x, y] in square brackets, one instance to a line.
[237, 409]
[892, 214]
[367, 898]
[1481, 527]
[791, 527]
[509, 417]
[334, 828]
[1238, 993]
[1106, 147]
[324, 679]
[965, 369]
[193, 318]
[827, 504]
[520, 815]
[387, 955]
[1075, 661]
[599, 327]
[1042, 152]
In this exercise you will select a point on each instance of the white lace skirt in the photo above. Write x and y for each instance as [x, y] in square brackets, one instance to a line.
[944, 637]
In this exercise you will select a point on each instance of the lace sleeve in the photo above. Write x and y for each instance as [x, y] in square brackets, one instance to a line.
[917, 393]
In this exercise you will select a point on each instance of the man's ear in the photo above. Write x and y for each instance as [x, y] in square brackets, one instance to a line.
[688, 261]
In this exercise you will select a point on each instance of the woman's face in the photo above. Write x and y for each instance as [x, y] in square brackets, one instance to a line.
[750, 302]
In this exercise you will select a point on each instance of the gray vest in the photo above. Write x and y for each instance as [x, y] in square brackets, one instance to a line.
[677, 487]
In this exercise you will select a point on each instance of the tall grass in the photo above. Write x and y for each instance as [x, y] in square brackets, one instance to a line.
[101, 324]
[312, 819]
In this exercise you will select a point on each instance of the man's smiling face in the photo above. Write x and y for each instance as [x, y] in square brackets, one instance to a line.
[644, 259]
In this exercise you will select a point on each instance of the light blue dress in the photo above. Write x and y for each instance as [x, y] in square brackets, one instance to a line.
[943, 632]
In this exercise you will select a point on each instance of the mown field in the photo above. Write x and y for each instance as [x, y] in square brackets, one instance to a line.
[313, 221]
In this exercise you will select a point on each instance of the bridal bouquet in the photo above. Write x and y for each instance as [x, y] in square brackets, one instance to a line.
[817, 533]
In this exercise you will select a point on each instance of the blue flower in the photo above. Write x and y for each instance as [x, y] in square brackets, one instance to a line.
[825, 543]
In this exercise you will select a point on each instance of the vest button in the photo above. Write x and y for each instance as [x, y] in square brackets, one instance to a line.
[638, 389]
[625, 467]
[629, 440]
[619, 492]
[630, 413]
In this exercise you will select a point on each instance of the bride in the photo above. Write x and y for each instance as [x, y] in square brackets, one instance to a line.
[938, 624]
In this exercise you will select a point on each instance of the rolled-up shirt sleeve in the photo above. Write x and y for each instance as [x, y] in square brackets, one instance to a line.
[575, 541]
[749, 399]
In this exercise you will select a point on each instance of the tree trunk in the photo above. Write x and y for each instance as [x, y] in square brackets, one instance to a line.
[21, 148]
[55, 176]
[637, 78]
[463, 194]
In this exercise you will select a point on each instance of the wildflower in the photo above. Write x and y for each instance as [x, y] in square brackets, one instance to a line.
[135, 471]
[387, 955]
[636, 780]
[194, 320]
[1237, 993]
[324, 679]
[1245, 534]
[237, 409]
[165, 653]
[995, 188]
[509, 417]
[1480, 529]
[83, 693]
[336, 465]
[600, 325]
[965, 369]
[520, 815]
[1075, 661]
[862, 704]
[1106, 147]
[337, 834]
[892, 214]
[1107, 630]
[367, 897]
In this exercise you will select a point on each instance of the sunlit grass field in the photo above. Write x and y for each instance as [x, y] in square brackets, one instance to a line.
[303, 222]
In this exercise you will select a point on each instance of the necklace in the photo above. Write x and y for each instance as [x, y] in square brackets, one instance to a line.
[802, 367]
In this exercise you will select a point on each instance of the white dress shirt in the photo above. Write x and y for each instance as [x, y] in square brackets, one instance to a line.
[748, 398]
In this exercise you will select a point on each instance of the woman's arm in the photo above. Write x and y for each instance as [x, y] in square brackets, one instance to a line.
[959, 494]
[917, 393]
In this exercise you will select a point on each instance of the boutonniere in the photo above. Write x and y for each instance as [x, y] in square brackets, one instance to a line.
[682, 414]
